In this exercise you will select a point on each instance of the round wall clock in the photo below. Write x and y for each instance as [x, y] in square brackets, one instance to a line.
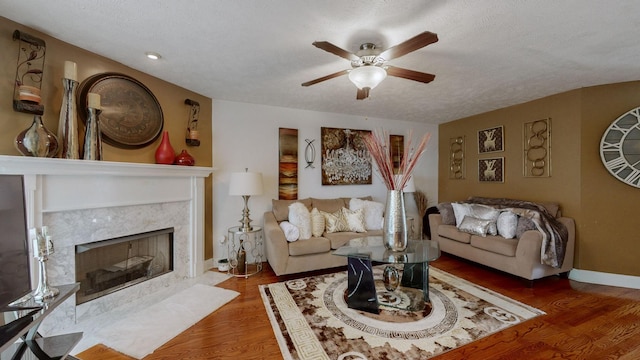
[620, 148]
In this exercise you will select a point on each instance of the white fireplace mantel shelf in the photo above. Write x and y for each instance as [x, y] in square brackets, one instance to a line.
[52, 166]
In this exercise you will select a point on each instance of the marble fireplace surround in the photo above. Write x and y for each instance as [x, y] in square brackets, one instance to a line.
[83, 201]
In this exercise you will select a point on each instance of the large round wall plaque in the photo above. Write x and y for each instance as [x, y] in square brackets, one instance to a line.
[131, 116]
[620, 148]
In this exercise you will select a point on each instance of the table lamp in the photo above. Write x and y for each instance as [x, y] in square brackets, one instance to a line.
[245, 184]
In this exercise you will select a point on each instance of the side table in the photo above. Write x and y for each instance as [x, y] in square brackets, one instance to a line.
[245, 249]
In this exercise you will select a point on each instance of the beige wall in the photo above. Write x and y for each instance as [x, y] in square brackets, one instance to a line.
[170, 97]
[603, 207]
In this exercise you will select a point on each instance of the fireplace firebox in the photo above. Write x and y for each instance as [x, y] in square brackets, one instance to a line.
[106, 266]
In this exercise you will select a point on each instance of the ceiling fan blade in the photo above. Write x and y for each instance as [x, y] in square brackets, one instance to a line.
[413, 44]
[362, 94]
[327, 46]
[409, 74]
[330, 76]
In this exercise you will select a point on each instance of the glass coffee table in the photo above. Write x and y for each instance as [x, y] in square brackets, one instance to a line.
[363, 253]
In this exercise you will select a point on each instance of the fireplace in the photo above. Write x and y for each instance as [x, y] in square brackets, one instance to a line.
[85, 201]
[103, 267]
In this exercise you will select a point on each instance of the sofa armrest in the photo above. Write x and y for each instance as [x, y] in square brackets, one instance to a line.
[276, 244]
[531, 243]
[435, 220]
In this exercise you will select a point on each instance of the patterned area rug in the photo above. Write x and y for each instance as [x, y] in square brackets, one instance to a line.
[311, 320]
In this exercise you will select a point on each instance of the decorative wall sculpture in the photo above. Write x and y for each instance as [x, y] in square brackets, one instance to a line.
[288, 164]
[456, 158]
[397, 151]
[491, 140]
[536, 145]
[491, 170]
[345, 158]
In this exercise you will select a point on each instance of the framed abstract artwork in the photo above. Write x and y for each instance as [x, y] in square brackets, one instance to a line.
[345, 158]
[396, 143]
[536, 146]
[456, 158]
[491, 170]
[288, 164]
[491, 140]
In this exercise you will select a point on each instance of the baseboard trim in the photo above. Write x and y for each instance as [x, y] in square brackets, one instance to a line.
[601, 278]
[209, 264]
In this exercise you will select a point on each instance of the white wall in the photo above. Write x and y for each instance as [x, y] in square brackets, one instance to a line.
[246, 136]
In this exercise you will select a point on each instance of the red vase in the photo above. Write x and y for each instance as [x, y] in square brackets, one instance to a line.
[165, 153]
[184, 158]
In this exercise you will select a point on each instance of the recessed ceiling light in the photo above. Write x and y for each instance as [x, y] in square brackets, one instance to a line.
[153, 55]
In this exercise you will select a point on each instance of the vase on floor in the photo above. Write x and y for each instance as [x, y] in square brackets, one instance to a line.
[37, 140]
[165, 153]
[395, 222]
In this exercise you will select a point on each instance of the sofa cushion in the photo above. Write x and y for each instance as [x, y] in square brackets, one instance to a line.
[315, 245]
[446, 210]
[507, 224]
[317, 223]
[338, 239]
[291, 232]
[300, 217]
[475, 226]
[280, 208]
[329, 205]
[451, 232]
[334, 222]
[354, 219]
[373, 212]
[495, 244]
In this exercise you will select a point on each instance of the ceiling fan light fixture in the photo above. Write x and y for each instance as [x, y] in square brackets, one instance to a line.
[367, 76]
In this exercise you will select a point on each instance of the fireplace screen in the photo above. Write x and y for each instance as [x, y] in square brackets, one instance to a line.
[106, 266]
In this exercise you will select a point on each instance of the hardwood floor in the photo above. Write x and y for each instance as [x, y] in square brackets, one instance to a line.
[583, 321]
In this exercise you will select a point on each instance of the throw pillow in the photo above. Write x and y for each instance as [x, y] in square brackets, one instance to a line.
[291, 232]
[354, 219]
[486, 213]
[507, 223]
[373, 212]
[300, 217]
[334, 222]
[524, 224]
[446, 210]
[475, 226]
[317, 223]
[460, 211]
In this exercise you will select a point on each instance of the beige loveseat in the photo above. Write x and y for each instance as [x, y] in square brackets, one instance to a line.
[310, 254]
[520, 256]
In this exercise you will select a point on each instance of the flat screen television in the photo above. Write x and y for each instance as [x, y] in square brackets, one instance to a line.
[15, 275]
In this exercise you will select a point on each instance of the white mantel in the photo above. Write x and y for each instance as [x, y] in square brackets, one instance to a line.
[84, 201]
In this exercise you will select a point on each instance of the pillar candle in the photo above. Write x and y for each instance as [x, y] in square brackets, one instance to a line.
[94, 100]
[70, 70]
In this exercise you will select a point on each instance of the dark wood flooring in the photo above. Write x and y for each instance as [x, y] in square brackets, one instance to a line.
[583, 321]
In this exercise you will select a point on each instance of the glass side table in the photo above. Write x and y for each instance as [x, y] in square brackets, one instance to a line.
[245, 249]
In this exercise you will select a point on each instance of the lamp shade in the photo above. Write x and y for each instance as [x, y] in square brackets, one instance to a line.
[409, 187]
[367, 76]
[245, 183]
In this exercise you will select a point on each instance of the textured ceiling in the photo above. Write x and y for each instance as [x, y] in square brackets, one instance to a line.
[491, 53]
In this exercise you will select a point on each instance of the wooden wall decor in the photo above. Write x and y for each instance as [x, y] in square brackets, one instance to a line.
[456, 158]
[536, 145]
[288, 164]
[345, 158]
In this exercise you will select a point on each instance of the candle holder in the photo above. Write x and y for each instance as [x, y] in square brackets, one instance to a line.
[68, 123]
[93, 135]
[42, 248]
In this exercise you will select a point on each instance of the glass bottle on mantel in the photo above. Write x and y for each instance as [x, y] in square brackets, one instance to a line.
[37, 140]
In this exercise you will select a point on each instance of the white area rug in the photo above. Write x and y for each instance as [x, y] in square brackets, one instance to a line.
[144, 325]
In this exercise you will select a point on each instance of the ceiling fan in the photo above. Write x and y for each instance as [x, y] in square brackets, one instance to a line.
[369, 63]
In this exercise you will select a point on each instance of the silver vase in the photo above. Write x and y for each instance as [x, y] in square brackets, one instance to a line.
[68, 124]
[395, 222]
[93, 137]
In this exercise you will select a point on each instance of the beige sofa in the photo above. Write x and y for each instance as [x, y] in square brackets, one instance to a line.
[305, 255]
[520, 256]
